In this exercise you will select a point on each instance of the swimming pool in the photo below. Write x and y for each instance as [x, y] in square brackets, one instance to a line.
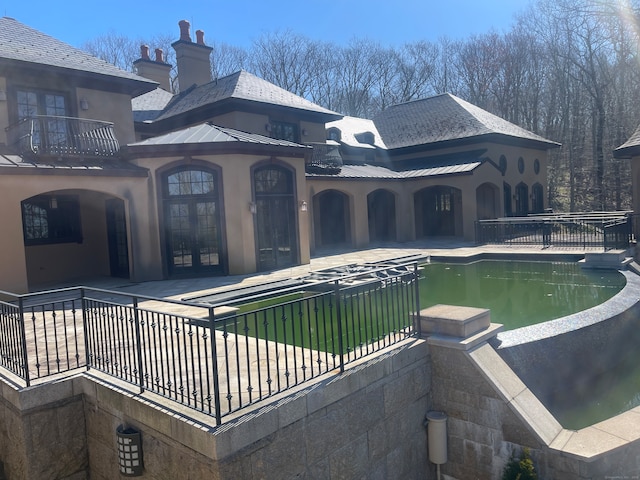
[519, 293]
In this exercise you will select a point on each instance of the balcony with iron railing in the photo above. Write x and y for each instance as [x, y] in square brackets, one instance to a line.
[325, 160]
[46, 135]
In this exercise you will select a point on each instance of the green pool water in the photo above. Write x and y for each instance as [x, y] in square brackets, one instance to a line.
[519, 293]
[525, 293]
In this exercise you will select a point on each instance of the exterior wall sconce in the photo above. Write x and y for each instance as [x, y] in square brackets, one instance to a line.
[3, 96]
[129, 451]
[84, 104]
[303, 206]
[53, 203]
[253, 208]
[304, 132]
[267, 127]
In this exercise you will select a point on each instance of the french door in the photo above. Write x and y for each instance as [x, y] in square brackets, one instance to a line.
[192, 222]
[276, 232]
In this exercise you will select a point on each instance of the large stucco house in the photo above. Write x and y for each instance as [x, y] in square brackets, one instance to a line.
[106, 173]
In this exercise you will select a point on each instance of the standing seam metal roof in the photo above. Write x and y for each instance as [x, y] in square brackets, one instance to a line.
[209, 133]
[379, 172]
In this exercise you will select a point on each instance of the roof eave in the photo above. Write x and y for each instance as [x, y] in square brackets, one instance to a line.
[83, 78]
[484, 138]
[627, 152]
[213, 148]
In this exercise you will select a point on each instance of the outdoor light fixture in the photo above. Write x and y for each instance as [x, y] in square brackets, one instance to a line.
[252, 207]
[53, 203]
[3, 96]
[303, 206]
[267, 127]
[84, 104]
[129, 451]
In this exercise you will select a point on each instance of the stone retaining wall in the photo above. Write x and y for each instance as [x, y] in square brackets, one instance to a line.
[365, 423]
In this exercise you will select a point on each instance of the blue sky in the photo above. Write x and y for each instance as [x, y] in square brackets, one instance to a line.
[237, 22]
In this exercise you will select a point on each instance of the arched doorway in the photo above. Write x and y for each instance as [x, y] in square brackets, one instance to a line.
[537, 198]
[487, 201]
[508, 209]
[438, 211]
[331, 218]
[193, 236]
[381, 212]
[73, 235]
[522, 200]
[276, 232]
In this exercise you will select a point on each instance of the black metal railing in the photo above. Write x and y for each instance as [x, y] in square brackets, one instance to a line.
[606, 230]
[213, 358]
[325, 159]
[63, 136]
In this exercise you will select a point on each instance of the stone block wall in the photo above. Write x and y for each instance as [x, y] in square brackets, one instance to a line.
[365, 423]
[492, 416]
[42, 432]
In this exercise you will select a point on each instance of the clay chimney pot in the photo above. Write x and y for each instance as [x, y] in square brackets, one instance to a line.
[185, 34]
[199, 37]
[159, 56]
[144, 52]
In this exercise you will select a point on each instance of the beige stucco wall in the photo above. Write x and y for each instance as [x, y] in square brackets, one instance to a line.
[109, 107]
[404, 190]
[237, 193]
[106, 106]
[43, 264]
[76, 260]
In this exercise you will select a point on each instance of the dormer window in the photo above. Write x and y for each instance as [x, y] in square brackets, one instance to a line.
[366, 137]
[334, 134]
[285, 131]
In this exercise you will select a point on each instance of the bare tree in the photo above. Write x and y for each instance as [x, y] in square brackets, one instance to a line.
[285, 59]
[227, 59]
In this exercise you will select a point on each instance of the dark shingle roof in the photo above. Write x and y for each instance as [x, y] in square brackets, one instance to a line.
[241, 85]
[150, 105]
[23, 44]
[444, 118]
[630, 147]
[209, 133]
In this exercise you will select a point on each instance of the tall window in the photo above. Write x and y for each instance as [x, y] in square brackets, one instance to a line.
[285, 131]
[276, 231]
[51, 131]
[192, 220]
[51, 219]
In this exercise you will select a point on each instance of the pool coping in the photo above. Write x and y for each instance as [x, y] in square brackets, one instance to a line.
[625, 299]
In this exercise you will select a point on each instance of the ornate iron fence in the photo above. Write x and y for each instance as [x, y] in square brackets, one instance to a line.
[68, 136]
[213, 358]
[606, 230]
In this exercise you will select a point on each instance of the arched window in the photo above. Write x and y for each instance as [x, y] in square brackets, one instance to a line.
[193, 234]
[537, 198]
[276, 230]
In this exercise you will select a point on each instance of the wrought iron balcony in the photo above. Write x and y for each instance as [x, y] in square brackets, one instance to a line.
[326, 159]
[63, 136]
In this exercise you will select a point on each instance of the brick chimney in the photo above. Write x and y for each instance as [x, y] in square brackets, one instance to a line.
[193, 59]
[156, 70]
